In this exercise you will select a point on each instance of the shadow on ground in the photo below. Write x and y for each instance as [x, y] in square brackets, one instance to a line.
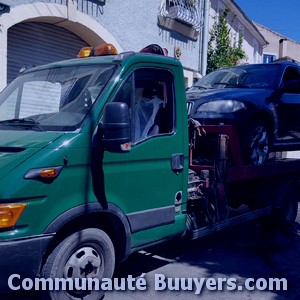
[248, 251]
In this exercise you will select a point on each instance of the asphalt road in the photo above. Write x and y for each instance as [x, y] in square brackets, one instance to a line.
[249, 251]
[246, 251]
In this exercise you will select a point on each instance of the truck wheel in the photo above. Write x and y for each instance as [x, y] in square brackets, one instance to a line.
[191, 222]
[88, 253]
[256, 142]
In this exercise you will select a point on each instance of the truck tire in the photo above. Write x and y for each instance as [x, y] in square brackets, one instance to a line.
[191, 222]
[88, 253]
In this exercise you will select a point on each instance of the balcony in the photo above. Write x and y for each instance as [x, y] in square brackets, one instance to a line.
[182, 16]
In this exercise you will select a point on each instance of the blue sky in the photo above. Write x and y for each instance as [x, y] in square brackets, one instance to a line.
[277, 15]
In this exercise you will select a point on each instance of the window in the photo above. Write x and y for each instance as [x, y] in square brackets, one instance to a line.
[7, 110]
[149, 95]
[268, 58]
[57, 98]
[33, 92]
[291, 80]
[291, 73]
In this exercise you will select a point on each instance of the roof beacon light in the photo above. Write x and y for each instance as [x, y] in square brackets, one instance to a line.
[105, 49]
[85, 52]
[101, 50]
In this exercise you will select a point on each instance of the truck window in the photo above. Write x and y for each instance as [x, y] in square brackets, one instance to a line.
[55, 98]
[291, 80]
[7, 110]
[33, 92]
[149, 95]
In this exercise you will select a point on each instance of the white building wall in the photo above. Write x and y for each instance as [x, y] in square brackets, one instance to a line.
[130, 25]
[251, 46]
[134, 24]
[292, 48]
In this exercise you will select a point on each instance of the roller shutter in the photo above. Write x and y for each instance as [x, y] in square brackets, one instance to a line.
[33, 44]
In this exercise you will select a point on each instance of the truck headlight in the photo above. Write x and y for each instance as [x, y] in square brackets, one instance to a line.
[10, 213]
[221, 106]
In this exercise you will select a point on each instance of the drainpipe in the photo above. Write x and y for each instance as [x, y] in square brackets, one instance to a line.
[205, 37]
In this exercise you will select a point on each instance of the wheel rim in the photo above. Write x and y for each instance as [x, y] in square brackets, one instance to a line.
[259, 145]
[86, 262]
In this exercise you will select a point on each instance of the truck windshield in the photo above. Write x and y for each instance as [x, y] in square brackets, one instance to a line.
[53, 99]
[248, 76]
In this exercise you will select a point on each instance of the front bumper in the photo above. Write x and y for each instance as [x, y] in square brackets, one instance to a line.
[22, 257]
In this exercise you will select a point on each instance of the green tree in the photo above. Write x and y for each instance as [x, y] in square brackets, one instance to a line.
[221, 53]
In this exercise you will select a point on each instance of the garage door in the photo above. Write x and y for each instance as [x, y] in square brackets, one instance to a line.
[33, 44]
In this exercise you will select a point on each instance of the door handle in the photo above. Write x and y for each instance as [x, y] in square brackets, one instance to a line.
[177, 162]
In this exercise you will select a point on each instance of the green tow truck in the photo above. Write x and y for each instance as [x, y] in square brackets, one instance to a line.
[99, 159]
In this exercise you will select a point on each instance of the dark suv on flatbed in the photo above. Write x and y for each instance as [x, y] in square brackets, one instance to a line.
[261, 100]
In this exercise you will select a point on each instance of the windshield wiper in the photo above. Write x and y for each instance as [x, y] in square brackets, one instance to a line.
[228, 84]
[244, 86]
[25, 122]
[224, 83]
[200, 87]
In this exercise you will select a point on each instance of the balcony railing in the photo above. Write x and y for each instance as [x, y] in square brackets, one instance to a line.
[186, 11]
[183, 16]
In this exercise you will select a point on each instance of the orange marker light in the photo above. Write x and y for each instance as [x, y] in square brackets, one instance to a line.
[48, 173]
[10, 213]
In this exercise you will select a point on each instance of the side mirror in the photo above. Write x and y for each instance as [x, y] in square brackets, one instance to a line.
[115, 127]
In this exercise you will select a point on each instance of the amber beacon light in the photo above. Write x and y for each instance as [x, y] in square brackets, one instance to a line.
[85, 52]
[101, 50]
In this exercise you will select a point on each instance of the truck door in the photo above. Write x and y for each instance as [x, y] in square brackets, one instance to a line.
[147, 183]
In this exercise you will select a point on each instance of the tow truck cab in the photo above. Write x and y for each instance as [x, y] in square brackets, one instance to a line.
[56, 177]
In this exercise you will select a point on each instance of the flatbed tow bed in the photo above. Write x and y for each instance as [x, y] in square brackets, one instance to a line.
[239, 171]
[274, 167]
[272, 187]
